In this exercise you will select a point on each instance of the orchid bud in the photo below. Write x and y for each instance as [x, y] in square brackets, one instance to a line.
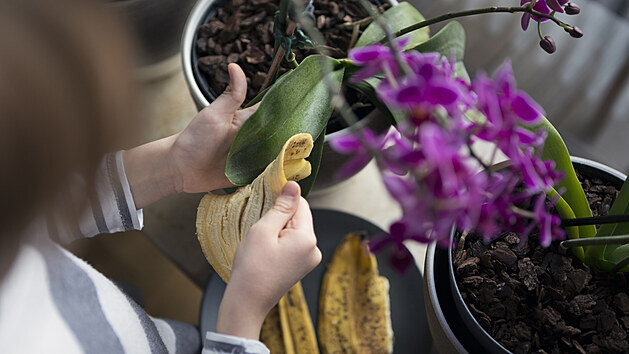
[575, 32]
[548, 44]
[572, 8]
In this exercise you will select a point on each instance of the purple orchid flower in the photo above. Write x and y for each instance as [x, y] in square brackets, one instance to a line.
[427, 165]
[543, 6]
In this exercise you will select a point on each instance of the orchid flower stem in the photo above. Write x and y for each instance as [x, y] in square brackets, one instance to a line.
[493, 9]
[596, 220]
[595, 241]
[539, 30]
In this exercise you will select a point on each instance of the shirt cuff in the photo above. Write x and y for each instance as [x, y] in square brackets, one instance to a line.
[111, 208]
[217, 343]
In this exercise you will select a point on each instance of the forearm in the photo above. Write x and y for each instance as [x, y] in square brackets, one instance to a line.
[238, 316]
[151, 172]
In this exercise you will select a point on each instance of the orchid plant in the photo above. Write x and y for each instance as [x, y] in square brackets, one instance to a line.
[429, 164]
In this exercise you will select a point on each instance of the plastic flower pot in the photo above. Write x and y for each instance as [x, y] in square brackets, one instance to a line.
[202, 95]
[453, 327]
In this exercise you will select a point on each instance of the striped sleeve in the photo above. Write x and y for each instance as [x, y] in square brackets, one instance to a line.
[111, 208]
[218, 343]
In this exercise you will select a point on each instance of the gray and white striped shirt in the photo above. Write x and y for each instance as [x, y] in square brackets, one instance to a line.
[53, 302]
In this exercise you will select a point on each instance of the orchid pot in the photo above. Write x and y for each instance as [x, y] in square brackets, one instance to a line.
[456, 326]
[203, 88]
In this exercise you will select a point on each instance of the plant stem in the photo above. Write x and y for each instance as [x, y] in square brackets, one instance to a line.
[595, 241]
[279, 55]
[596, 220]
[493, 9]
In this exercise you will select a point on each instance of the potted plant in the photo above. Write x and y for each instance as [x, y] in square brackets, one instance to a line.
[342, 28]
[432, 166]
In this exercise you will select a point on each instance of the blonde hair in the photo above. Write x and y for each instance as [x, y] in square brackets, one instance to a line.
[66, 98]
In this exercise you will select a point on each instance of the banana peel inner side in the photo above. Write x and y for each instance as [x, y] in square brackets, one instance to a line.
[223, 220]
[354, 311]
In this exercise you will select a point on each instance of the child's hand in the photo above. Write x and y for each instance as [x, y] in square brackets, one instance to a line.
[193, 160]
[199, 152]
[279, 250]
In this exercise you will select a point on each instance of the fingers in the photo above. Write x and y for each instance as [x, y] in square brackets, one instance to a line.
[234, 95]
[283, 210]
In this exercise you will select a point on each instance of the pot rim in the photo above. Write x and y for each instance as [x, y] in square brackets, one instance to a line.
[468, 319]
[187, 41]
[431, 291]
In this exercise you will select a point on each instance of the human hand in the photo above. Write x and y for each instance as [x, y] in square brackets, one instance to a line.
[199, 152]
[193, 160]
[279, 250]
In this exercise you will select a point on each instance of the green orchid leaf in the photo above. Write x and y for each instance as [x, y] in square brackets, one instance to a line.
[461, 71]
[555, 149]
[397, 18]
[565, 212]
[368, 89]
[261, 95]
[315, 162]
[620, 253]
[620, 206]
[449, 41]
[299, 103]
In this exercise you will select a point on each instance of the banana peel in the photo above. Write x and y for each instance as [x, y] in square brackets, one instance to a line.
[288, 328]
[354, 308]
[223, 220]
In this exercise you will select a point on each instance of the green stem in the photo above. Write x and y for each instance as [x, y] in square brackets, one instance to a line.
[596, 241]
[283, 13]
[493, 9]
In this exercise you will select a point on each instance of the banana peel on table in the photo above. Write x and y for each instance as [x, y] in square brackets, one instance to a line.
[354, 308]
[222, 222]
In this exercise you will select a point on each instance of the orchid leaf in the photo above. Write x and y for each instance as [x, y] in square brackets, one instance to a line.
[368, 87]
[620, 252]
[461, 72]
[614, 253]
[565, 212]
[555, 149]
[449, 42]
[397, 17]
[299, 103]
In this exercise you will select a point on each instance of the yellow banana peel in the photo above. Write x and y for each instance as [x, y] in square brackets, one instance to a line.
[354, 311]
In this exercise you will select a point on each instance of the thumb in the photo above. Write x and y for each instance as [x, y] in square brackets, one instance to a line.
[283, 210]
[234, 95]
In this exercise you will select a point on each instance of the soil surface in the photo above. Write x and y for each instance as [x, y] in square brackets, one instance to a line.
[242, 32]
[534, 299]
